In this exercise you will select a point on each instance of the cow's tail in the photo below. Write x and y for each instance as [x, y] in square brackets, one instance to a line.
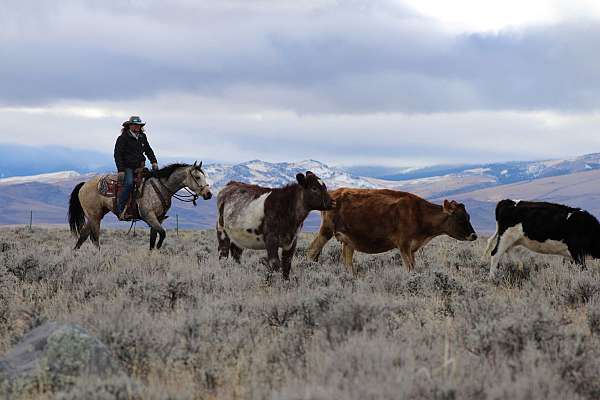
[492, 244]
[76, 214]
[502, 208]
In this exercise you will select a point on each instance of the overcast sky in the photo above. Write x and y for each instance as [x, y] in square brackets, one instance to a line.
[383, 82]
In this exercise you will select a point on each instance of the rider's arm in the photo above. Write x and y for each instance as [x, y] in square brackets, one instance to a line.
[149, 152]
[119, 154]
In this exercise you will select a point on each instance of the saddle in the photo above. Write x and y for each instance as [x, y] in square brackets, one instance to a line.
[110, 186]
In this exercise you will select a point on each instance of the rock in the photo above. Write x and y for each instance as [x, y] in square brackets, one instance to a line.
[51, 357]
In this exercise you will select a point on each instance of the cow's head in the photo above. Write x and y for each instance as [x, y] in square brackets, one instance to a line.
[315, 192]
[459, 222]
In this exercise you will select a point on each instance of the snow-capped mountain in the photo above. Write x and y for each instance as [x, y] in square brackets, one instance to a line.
[53, 177]
[500, 173]
[279, 174]
[570, 181]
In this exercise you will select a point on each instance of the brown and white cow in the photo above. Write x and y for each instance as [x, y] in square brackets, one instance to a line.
[255, 217]
[377, 220]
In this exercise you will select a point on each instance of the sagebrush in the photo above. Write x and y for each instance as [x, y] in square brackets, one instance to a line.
[185, 326]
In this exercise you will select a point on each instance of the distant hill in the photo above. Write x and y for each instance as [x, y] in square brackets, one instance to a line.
[580, 189]
[501, 173]
[575, 181]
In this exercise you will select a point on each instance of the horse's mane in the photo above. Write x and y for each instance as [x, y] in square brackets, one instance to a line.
[167, 171]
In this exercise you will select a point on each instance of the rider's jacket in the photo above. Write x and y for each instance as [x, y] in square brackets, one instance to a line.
[129, 151]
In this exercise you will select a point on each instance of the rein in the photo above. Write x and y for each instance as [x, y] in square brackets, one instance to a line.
[189, 197]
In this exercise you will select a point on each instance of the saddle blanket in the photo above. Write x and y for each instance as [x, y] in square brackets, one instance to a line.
[108, 185]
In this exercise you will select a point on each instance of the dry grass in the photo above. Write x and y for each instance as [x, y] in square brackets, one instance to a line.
[185, 326]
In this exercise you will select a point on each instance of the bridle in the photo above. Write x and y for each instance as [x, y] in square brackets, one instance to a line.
[189, 197]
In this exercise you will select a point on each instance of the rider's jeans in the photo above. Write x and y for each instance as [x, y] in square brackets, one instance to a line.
[127, 187]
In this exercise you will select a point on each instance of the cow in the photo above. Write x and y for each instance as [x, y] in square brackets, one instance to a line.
[377, 220]
[255, 217]
[543, 227]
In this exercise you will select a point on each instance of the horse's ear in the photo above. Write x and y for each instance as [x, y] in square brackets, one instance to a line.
[195, 163]
[200, 166]
[301, 179]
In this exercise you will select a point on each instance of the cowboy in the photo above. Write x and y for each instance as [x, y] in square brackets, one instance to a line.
[130, 148]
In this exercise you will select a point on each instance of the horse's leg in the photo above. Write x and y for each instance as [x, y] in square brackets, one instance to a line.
[95, 231]
[154, 223]
[83, 235]
[153, 234]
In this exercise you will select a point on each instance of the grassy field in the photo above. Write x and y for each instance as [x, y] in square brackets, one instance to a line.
[185, 326]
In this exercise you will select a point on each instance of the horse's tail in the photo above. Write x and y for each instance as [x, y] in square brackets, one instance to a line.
[76, 215]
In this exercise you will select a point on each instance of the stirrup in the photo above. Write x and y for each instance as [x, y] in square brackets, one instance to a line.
[122, 216]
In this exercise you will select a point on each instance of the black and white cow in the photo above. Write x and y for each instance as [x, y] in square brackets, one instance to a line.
[545, 228]
[255, 217]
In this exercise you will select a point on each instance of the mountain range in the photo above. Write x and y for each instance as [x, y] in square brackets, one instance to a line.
[574, 181]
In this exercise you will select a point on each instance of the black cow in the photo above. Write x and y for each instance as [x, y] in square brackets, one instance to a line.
[255, 217]
[543, 227]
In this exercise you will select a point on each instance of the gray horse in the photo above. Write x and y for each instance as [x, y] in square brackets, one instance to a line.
[87, 206]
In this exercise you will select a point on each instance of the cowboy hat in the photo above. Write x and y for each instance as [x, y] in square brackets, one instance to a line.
[134, 120]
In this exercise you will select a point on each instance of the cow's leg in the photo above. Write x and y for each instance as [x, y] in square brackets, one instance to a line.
[325, 233]
[348, 254]
[223, 241]
[579, 259]
[272, 252]
[408, 256]
[286, 259]
[508, 239]
[513, 253]
[236, 252]
[154, 223]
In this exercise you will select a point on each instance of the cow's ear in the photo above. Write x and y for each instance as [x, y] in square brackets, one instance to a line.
[448, 209]
[301, 179]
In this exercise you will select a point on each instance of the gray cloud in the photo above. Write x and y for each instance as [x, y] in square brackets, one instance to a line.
[320, 57]
[342, 81]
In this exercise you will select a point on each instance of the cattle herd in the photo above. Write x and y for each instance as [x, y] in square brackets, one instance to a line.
[377, 220]
[365, 220]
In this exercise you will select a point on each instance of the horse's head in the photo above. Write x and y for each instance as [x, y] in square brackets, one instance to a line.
[196, 181]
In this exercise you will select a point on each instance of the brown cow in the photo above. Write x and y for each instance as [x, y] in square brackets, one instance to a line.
[378, 220]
